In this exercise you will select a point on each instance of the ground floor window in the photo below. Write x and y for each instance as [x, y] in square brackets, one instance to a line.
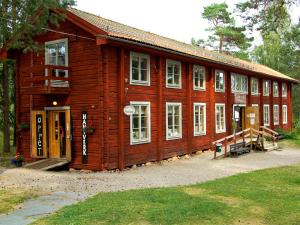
[284, 114]
[173, 120]
[140, 123]
[220, 118]
[266, 115]
[199, 119]
[276, 114]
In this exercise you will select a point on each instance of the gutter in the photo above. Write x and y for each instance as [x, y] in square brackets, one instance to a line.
[127, 41]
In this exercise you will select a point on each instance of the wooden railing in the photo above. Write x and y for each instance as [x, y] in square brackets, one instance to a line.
[264, 132]
[48, 76]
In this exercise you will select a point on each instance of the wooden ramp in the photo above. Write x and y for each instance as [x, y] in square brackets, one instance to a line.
[264, 139]
[47, 164]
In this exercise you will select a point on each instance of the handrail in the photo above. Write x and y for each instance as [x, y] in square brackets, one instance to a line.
[249, 132]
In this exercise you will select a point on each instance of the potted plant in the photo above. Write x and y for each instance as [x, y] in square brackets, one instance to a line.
[18, 160]
[23, 126]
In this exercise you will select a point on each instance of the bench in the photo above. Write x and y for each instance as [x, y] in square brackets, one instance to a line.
[239, 148]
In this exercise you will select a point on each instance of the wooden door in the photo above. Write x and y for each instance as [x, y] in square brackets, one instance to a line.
[60, 134]
[38, 134]
[54, 134]
[252, 117]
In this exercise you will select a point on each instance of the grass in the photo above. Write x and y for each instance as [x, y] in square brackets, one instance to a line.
[269, 196]
[292, 140]
[11, 198]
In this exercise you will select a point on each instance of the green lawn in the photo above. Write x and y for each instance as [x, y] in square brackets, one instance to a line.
[292, 141]
[269, 196]
[10, 198]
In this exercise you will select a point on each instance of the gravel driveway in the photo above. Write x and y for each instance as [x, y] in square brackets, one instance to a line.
[198, 168]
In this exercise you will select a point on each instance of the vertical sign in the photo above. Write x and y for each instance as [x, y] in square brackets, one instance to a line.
[84, 137]
[39, 134]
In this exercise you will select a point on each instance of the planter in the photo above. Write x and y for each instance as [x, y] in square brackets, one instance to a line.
[19, 163]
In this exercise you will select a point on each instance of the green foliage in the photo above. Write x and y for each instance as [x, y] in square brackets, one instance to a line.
[226, 36]
[260, 197]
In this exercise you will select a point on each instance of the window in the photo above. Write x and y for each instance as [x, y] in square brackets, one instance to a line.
[140, 123]
[173, 74]
[266, 87]
[266, 115]
[56, 54]
[284, 90]
[254, 86]
[275, 89]
[255, 105]
[199, 119]
[284, 114]
[174, 123]
[219, 81]
[220, 118]
[276, 114]
[239, 83]
[199, 77]
[139, 69]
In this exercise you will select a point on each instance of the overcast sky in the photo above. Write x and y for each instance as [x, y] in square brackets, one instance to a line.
[180, 20]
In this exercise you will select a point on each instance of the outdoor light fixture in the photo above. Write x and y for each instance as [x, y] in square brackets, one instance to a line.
[54, 103]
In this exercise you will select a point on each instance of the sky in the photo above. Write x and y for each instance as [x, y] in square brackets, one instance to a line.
[177, 19]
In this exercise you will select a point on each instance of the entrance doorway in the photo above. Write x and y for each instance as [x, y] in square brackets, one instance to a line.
[239, 117]
[55, 133]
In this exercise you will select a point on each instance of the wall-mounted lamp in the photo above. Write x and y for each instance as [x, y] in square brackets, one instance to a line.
[54, 103]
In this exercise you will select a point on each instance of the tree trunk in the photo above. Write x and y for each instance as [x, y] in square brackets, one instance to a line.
[221, 44]
[6, 127]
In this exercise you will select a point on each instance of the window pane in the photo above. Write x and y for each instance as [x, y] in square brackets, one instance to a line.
[135, 62]
[144, 75]
[176, 79]
[144, 63]
[176, 69]
[135, 74]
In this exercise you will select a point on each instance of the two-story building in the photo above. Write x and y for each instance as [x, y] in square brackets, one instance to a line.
[177, 98]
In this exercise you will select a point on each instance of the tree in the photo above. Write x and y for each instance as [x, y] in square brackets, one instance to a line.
[266, 16]
[20, 22]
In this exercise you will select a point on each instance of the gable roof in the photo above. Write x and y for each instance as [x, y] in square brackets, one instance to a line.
[121, 31]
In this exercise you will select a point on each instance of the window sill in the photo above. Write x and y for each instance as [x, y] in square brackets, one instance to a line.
[220, 131]
[220, 91]
[174, 138]
[140, 142]
[200, 134]
[140, 83]
[173, 87]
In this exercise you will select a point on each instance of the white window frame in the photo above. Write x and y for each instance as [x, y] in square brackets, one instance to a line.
[284, 114]
[199, 88]
[255, 105]
[224, 112]
[275, 83]
[178, 86]
[140, 82]
[180, 120]
[234, 77]
[197, 104]
[274, 114]
[148, 140]
[264, 114]
[256, 91]
[58, 83]
[284, 94]
[224, 77]
[264, 90]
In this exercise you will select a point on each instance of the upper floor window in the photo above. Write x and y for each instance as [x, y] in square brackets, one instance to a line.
[239, 83]
[140, 123]
[199, 119]
[139, 68]
[174, 120]
[284, 90]
[56, 54]
[199, 77]
[254, 86]
[266, 115]
[219, 81]
[275, 89]
[173, 78]
[220, 118]
[266, 87]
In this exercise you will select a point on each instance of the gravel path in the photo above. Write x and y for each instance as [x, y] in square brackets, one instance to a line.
[199, 168]
[65, 188]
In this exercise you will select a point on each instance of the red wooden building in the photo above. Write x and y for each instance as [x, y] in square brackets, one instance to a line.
[182, 97]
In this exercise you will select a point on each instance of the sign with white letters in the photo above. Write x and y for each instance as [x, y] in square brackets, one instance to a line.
[39, 134]
[84, 138]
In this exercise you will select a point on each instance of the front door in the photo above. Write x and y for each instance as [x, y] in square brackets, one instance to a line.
[252, 117]
[59, 134]
[239, 117]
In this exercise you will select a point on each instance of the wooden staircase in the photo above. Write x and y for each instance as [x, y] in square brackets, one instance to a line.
[263, 139]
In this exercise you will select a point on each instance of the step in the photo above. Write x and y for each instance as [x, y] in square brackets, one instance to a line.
[46, 164]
